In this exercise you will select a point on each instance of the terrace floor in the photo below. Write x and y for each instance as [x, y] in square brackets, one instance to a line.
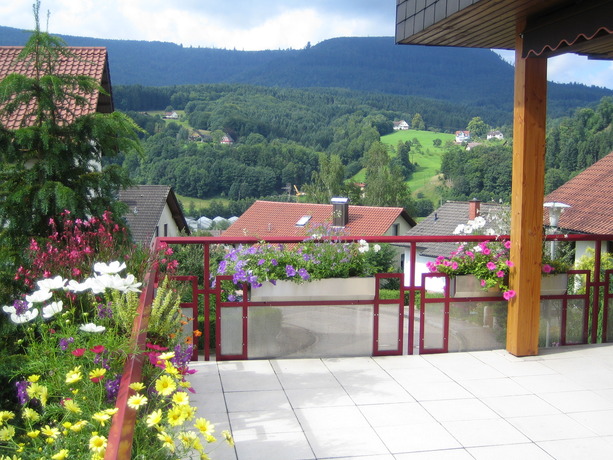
[456, 406]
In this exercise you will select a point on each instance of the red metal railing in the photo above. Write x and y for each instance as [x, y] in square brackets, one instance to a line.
[413, 288]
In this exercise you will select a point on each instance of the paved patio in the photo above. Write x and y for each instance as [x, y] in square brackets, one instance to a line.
[457, 406]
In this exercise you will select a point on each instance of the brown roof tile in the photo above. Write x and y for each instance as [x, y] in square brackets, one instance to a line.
[266, 219]
[589, 195]
[444, 221]
[91, 62]
[145, 205]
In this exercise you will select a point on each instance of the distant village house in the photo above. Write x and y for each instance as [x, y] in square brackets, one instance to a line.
[401, 125]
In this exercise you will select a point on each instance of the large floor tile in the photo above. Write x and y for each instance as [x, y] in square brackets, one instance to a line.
[378, 393]
[270, 421]
[509, 452]
[242, 401]
[318, 397]
[550, 427]
[547, 383]
[331, 418]
[273, 446]
[428, 391]
[459, 409]
[519, 406]
[577, 401]
[485, 388]
[574, 449]
[417, 437]
[345, 442]
[447, 454]
[394, 414]
[473, 433]
[597, 421]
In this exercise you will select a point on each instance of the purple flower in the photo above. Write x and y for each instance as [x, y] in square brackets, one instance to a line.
[64, 343]
[105, 311]
[222, 267]
[112, 388]
[261, 262]
[290, 271]
[304, 274]
[21, 306]
[22, 394]
[274, 262]
[231, 298]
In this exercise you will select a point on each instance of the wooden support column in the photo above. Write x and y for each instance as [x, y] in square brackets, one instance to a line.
[527, 202]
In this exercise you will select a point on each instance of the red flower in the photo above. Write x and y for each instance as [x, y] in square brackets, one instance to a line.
[156, 347]
[98, 349]
[78, 352]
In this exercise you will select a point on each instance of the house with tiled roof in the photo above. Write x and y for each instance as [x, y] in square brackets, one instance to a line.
[443, 222]
[92, 62]
[266, 219]
[153, 210]
[588, 196]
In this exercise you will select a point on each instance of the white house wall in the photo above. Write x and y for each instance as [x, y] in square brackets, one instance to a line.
[434, 284]
[166, 218]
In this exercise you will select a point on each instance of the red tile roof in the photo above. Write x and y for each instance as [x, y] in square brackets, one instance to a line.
[92, 62]
[589, 195]
[265, 219]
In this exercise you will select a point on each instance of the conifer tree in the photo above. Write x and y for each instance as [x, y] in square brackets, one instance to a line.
[54, 161]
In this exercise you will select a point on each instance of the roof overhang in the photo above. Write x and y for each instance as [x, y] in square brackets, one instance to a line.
[551, 26]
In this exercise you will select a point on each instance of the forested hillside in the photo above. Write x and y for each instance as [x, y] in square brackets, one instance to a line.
[474, 77]
[573, 144]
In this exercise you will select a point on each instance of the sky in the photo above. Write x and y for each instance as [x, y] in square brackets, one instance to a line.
[247, 25]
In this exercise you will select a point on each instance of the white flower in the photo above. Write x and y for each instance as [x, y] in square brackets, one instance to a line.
[52, 309]
[128, 284]
[479, 222]
[50, 284]
[363, 246]
[91, 327]
[42, 295]
[459, 229]
[376, 248]
[109, 269]
[26, 317]
[75, 286]
[9, 309]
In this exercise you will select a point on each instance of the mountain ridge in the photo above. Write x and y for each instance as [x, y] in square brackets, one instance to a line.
[473, 77]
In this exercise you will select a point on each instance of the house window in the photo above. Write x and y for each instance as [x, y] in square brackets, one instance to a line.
[395, 228]
[165, 229]
[157, 231]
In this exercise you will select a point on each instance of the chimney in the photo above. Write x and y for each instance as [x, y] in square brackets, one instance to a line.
[474, 206]
[340, 211]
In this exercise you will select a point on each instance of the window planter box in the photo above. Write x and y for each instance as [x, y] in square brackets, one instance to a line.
[554, 284]
[325, 289]
[470, 286]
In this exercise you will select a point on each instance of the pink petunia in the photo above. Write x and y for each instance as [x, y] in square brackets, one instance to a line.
[98, 349]
[509, 263]
[500, 274]
[491, 266]
[547, 268]
[507, 244]
[78, 352]
[508, 294]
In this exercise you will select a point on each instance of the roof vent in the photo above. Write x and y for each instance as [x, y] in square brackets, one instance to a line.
[340, 211]
[303, 221]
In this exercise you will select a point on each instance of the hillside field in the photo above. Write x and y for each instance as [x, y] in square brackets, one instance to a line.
[428, 159]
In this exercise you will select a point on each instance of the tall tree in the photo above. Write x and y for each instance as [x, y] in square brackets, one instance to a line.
[54, 161]
[327, 181]
[385, 185]
[418, 122]
[477, 127]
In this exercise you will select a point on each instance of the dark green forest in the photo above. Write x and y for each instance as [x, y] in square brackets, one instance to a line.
[573, 144]
[477, 78]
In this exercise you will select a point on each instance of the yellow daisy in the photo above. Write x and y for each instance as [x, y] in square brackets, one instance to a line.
[165, 385]
[154, 418]
[33, 434]
[74, 375]
[7, 433]
[71, 406]
[204, 426]
[50, 432]
[171, 369]
[101, 417]
[180, 398]
[166, 356]
[137, 386]
[167, 441]
[76, 427]
[97, 444]
[137, 400]
[228, 437]
[5, 416]
[61, 455]
[30, 414]
[34, 378]
[97, 374]
[175, 416]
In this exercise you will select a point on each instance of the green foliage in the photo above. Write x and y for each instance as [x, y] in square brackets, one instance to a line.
[165, 319]
[477, 127]
[49, 164]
